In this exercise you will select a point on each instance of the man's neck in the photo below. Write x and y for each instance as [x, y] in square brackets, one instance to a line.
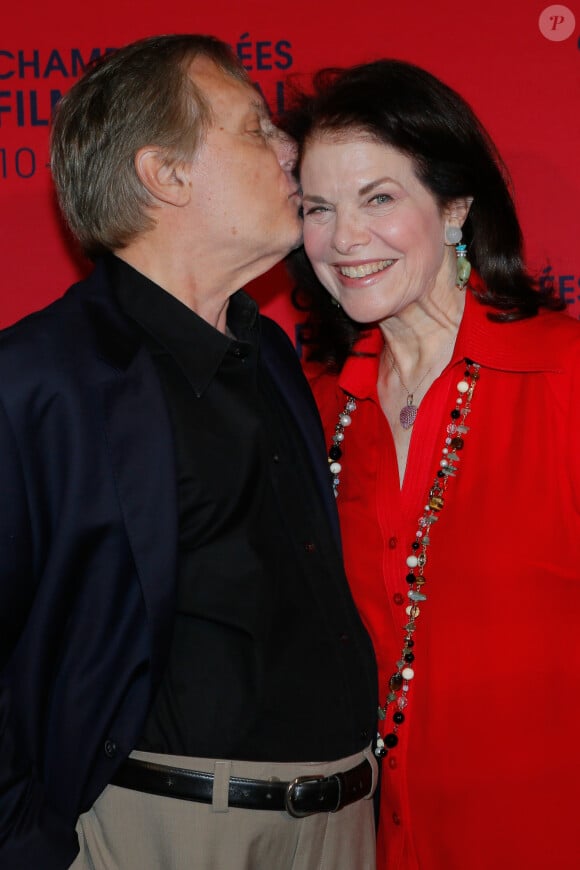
[210, 304]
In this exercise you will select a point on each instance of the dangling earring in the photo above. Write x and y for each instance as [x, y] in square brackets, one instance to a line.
[453, 236]
[334, 302]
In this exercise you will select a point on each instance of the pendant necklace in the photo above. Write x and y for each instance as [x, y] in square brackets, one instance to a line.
[408, 412]
[396, 693]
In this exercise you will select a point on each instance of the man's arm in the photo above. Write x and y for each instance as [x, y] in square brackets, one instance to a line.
[32, 836]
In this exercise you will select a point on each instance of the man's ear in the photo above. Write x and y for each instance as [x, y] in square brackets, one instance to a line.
[165, 181]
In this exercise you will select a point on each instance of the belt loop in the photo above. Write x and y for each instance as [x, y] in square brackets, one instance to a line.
[370, 757]
[221, 787]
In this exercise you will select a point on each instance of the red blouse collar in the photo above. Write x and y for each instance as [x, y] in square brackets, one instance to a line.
[519, 346]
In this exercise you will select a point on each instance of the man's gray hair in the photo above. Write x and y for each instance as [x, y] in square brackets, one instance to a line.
[137, 96]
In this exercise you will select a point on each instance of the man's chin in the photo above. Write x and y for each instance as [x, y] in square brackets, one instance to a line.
[296, 239]
[297, 244]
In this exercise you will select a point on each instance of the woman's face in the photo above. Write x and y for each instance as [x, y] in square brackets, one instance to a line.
[374, 234]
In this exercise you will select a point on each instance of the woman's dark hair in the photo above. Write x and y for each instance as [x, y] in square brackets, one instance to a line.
[409, 109]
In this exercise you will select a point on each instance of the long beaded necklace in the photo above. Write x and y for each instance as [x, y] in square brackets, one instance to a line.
[399, 683]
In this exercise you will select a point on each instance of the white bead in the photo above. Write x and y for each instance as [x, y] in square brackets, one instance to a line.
[412, 561]
[345, 420]
[335, 467]
[407, 673]
[462, 386]
[443, 463]
[453, 235]
[445, 451]
[338, 437]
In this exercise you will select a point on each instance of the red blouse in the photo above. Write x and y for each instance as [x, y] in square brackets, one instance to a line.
[486, 774]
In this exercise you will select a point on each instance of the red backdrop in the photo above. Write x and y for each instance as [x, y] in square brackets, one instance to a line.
[517, 63]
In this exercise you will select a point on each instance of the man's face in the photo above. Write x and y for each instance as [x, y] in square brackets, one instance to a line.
[247, 196]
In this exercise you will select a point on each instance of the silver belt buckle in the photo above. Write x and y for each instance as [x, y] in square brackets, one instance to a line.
[289, 797]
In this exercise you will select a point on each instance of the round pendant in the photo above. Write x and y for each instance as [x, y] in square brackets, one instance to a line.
[407, 416]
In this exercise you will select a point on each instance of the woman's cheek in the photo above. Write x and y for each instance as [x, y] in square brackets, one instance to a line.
[314, 241]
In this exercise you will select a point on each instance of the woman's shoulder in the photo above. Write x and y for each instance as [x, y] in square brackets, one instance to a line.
[555, 334]
[548, 341]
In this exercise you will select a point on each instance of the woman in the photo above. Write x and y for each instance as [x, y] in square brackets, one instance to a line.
[448, 385]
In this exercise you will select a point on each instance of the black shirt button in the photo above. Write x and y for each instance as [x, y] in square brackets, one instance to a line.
[344, 637]
[110, 748]
[275, 457]
[309, 547]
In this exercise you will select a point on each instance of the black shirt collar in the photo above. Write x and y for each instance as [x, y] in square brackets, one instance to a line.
[172, 327]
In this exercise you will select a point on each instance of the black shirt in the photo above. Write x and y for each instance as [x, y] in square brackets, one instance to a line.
[269, 659]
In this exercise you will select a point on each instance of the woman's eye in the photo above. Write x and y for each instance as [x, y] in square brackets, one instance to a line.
[315, 209]
[381, 198]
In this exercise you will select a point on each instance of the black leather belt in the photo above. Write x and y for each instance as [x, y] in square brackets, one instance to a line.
[301, 797]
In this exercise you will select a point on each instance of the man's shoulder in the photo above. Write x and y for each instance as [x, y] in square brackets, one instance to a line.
[52, 317]
[67, 334]
[276, 343]
[273, 331]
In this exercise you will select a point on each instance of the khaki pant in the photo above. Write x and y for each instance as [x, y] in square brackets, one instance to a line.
[131, 830]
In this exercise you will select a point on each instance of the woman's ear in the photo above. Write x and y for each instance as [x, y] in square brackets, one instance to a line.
[165, 181]
[457, 210]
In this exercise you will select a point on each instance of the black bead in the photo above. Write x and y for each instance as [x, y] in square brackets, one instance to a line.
[335, 452]
[440, 473]
[468, 361]
[410, 578]
[398, 718]
[391, 740]
[415, 545]
[409, 657]
[410, 642]
[455, 414]
[381, 752]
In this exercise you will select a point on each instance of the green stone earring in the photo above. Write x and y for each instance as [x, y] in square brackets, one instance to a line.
[453, 236]
[463, 266]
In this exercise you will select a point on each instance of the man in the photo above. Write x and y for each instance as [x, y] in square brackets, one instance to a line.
[171, 588]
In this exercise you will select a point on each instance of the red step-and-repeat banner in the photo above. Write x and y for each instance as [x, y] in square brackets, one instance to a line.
[516, 62]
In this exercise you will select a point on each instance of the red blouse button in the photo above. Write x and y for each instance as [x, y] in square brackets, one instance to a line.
[392, 543]
[396, 819]
[392, 762]
[398, 598]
